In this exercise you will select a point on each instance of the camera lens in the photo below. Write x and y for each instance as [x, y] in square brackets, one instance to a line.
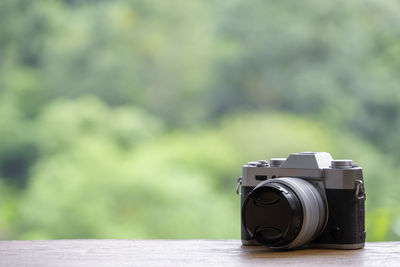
[284, 213]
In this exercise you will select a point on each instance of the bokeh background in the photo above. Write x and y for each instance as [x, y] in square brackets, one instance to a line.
[132, 119]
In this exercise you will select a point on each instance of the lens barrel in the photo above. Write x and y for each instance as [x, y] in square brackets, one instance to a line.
[284, 213]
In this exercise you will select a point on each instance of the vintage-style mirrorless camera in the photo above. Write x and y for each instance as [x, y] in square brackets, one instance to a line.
[308, 199]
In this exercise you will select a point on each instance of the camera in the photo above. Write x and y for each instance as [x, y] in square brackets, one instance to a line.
[306, 200]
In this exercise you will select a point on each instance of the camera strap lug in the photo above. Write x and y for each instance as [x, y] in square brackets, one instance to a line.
[239, 186]
[360, 191]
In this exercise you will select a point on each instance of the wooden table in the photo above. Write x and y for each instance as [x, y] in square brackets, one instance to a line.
[185, 253]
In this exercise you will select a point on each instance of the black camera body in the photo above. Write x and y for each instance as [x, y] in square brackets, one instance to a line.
[308, 199]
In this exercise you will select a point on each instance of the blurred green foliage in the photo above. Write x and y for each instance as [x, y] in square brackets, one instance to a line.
[131, 119]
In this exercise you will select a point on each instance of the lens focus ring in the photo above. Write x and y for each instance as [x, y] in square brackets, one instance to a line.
[315, 213]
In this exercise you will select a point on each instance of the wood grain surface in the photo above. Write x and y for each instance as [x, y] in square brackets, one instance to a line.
[185, 253]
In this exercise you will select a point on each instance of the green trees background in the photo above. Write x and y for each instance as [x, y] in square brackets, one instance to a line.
[131, 119]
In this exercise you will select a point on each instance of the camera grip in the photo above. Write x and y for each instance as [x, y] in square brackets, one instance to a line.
[346, 222]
